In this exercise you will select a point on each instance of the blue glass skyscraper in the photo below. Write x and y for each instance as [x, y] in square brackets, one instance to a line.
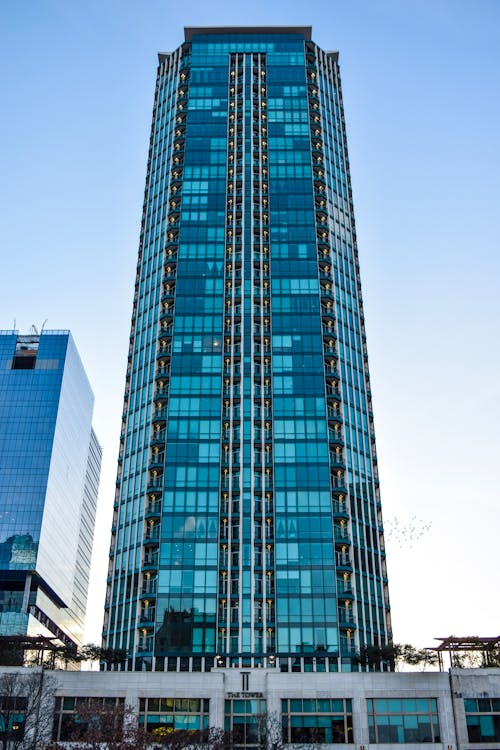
[247, 529]
[49, 475]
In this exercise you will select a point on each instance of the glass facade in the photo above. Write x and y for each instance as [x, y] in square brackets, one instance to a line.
[247, 528]
[483, 719]
[161, 716]
[403, 720]
[317, 721]
[72, 716]
[49, 475]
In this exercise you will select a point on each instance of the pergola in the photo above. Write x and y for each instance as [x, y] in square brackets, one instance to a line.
[453, 644]
[38, 644]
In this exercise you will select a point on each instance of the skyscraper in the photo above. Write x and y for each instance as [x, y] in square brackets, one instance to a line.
[49, 475]
[247, 529]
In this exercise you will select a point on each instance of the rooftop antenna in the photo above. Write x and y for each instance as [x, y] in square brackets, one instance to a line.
[14, 324]
[34, 329]
[43, 325]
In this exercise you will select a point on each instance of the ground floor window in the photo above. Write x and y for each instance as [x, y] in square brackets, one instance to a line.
[72, 716]
[161, 716]
[317, 720]
[246, 723]
[483, 719]
[12, 718]
[400, 720]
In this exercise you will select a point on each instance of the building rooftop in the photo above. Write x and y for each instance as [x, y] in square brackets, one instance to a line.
[192, 31]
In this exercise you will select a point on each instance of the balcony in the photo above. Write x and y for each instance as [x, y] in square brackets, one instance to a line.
[231, 459]
[345, 591]
[335, 437]
[161, 393]
[155, 484]
[228, 392]
[346, 618]
[343, 561]
[338, 483]
[340, 510]
[150, 562]
[329, 331]
[160, 416]
[158, 437]
[147, 617]
[152, 536]
[156, 461]
[167, 313]
[335, 416]
[347, 648]
[337, 460]
[148, 590]
[326, 293]
[165, 335]
[341, 535]
[145, 645]
[168, 295]
[165, 349]
[332, 389]
[330, 369]
[153, 510]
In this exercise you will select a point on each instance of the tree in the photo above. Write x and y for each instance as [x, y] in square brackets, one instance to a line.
[374, 657]
[408, 654]
[476, 659]
[26, 708]
[52, 654]
[98, 722]
[395, 654]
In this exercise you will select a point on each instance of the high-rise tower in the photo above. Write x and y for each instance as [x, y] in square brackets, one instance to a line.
[50, 463]
[247, 528]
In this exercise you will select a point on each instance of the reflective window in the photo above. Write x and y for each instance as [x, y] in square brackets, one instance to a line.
[483, 719]
[400, 720]
[317, 721]
[160, 716]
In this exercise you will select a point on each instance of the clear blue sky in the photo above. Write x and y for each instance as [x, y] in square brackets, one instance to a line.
[421, 83]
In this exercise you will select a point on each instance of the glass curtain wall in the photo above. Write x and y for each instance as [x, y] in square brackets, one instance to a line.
[247, 527]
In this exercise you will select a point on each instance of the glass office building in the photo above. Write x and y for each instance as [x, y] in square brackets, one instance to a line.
[49, 475]
[247, 529]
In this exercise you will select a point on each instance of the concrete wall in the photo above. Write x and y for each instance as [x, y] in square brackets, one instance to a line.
[448, 688]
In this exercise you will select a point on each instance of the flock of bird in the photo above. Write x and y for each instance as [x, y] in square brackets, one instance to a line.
[406, 534]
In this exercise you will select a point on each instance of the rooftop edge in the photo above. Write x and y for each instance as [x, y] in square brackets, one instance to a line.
[192, 31]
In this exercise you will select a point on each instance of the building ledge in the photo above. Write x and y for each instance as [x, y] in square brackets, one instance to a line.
[191, 31]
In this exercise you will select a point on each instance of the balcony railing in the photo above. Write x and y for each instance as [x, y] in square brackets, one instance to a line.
[155, 483]
[341, 534]
[160, 414]
[153, 509]
[346, 618]
[145, 644]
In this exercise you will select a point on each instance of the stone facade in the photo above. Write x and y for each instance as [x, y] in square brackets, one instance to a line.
[452, 694]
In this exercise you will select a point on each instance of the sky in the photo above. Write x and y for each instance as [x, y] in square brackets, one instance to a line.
[421, 82]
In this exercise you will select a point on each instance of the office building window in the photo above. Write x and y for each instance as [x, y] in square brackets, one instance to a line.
[12, 719]
[73, 715]
[400, 720]
[160, 716]
[317, 720]
[245, 721]
[483, 719]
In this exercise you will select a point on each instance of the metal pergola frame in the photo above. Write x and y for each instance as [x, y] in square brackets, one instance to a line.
[453, 644]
